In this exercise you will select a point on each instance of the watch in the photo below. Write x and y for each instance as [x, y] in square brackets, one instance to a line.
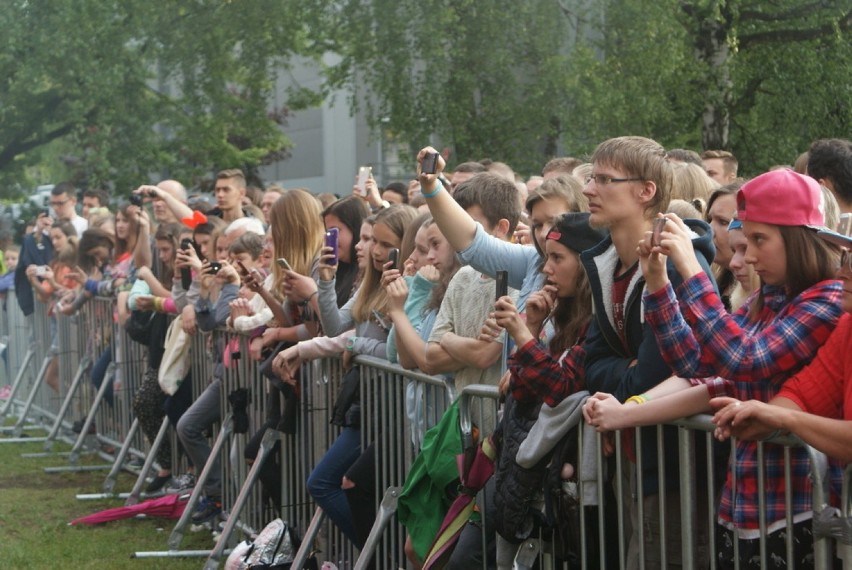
[350, 343]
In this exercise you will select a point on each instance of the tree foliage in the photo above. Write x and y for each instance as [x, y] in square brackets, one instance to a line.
[519, 81]
[127, 89]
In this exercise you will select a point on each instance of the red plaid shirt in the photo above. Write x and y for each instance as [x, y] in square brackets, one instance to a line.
[539, 375]
[698, 338]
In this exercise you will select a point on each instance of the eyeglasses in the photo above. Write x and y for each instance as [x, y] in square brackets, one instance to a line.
[59, 203]
[846, 260]
[603, 179]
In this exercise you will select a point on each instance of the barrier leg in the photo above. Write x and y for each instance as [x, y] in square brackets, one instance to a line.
[19, 425]
[266, 445]
[90, 419]
[69, 398]
[16, 384]
[306, 549]
[385, 514]
[109, 481]
[176, 536]
[149, 462]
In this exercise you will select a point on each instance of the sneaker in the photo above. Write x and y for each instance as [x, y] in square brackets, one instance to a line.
[77, 427]
[158, 483]
[208, 508]
[180, 484]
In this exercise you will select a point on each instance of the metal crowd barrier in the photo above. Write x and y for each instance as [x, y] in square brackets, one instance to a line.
[387, 394]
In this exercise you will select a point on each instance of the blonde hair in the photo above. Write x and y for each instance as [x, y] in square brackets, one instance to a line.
[690, 182]
[297, 234]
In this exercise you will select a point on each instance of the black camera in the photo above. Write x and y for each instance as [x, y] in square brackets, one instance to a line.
[136, 199]
[215, 266]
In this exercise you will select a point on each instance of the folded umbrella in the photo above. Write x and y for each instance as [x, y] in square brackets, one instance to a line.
[476, 465]
[167, 506]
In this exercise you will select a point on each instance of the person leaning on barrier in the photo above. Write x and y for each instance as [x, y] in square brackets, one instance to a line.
[542, 379]
[205, 410]
[366, 311]
[816, 403]
[455, 343]
[151, 293]
[629, 185]
[749, 353]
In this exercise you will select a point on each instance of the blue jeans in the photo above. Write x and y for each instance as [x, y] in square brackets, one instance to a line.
[325, 480]
[99, 371]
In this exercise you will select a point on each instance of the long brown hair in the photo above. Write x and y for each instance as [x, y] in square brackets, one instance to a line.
[572, 315]
[371, 295]
[809, 261]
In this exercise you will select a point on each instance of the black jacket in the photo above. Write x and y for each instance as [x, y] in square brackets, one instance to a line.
[607, 364]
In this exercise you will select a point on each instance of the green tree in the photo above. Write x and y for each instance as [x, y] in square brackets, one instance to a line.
[128, 89]
[517, 81]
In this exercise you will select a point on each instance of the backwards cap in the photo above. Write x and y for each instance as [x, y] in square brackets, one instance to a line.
[782, 198]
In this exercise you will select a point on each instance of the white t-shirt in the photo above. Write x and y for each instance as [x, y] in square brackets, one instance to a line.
[80, 224]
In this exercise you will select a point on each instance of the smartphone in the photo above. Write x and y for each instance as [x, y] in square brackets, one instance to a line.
[45, 212]
[393, 257]
[364, 174]
[215, 266]
[331, 236]
[429, 164]
[845, 225]
[41, 270]
[659, 226]
[501, 280]
[243, 269]
[283, 264]
[185, 272]
[187, 243]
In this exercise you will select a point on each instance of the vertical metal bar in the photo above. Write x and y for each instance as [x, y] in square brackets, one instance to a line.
[686, 465]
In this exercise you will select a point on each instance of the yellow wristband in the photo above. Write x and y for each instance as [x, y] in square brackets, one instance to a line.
[641, 399]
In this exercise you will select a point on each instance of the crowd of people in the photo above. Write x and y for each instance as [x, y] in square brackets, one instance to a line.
[643, 285]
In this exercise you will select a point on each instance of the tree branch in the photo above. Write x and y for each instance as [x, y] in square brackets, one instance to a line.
[17, 148]
[795, 35]
[789, 14]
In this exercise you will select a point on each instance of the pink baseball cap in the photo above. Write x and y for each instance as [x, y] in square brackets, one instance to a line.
[783, 198]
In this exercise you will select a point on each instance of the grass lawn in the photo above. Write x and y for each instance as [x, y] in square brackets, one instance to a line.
[36, 507]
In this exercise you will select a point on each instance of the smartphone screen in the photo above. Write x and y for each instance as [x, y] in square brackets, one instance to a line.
[429, 164]
[502, 284]
[364, 174]
[393, 257]
[331, 241]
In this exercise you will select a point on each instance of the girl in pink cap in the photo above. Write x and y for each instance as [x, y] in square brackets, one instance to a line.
[747, 354]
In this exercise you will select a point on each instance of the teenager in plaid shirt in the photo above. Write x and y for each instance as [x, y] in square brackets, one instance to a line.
[748, 354]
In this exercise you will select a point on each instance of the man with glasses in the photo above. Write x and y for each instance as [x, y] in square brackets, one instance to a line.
[63, 201]
[629, 186]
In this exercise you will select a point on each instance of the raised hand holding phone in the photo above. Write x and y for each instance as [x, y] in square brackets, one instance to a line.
[331, 240]
[364, 174]
[501, 281]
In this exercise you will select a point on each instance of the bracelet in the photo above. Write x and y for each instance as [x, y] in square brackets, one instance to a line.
[772, 435]
[158, 304]
[308, 300]
[640, 399]
[434, 192]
